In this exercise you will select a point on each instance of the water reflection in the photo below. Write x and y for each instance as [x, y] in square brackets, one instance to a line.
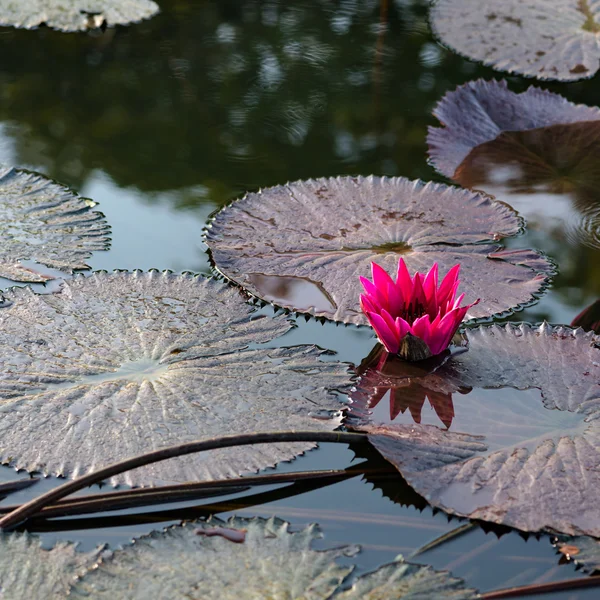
[233, 96]
[300, 292]
[552, 174]
[506, 417]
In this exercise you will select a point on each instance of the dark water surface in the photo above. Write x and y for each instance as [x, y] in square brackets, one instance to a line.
[165, 121]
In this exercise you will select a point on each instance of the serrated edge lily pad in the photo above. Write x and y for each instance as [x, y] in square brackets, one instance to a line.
[209, 560]
[546, 39]
[124, 363]
[479, 111]
[28, 571]
[325, 233]
[584, 551]
[74, 15]
[44, 222]
[549, 485]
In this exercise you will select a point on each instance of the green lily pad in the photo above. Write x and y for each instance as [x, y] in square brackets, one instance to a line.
[304, 245]
[546, 39]
[250, 559]
[74, 15]
[512, 435]
[44, 222]
[120, 364]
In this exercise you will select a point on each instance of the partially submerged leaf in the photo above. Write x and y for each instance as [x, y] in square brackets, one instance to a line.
[534, 150]
[120, 364]
[29, 571]
[325, 233]
[584, 551]
[524, 441]
[74, 15]
[589, 318]
[271, 562]
[44, 222]
[480, 111]
[546, 39]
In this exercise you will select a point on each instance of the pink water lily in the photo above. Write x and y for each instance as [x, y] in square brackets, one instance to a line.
[412, 308]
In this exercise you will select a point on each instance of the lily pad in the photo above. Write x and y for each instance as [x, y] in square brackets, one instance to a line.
[249, 559]
[534, 150]
[546, 39]
[584, 551]
[29, 571]
[44, 222]
[523, 443]
[322, 234]
[120, 364]
[480, 111]
[74, 15]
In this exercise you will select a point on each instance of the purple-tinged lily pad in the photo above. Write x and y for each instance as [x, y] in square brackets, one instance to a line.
[323, 234]
[44, 222]
[534, 150]
[546, 39]
[512, 435]
[74, 15]
[120, 364]
[589, 318]
[480, 111]
[204, 561]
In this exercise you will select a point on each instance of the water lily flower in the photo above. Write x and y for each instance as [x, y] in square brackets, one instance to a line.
[413, 317]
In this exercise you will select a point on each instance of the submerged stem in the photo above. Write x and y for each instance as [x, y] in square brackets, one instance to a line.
[542, 588]
[30, 508]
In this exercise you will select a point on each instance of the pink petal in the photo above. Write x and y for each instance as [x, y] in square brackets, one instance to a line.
[402, 327]
[421, 328]
[430, 289]
[395, 301]
[404, 283]
[389, 321]
[367, 304]
[445, 293]
[446, 329]
[385, 335]
[377, 297]
[381, 279]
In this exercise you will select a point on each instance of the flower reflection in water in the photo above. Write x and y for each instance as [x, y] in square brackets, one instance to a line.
[407, 385]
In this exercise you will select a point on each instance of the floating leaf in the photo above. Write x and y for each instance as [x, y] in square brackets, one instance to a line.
[547, 39]
[323, 234]
[29, 571]
[74, 15]
[271, 562]
[120, 364]
[524, 440]
[589, 318]
[534, 150]
[44, 222]
[584, 551]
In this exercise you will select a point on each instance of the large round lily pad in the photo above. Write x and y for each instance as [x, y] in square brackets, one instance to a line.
[29, 571]
[304, 245]
[250, 559]
[44, 222]
[547, 39]
[74, 15]
[534, 150]
[518, 445]
[119, 364]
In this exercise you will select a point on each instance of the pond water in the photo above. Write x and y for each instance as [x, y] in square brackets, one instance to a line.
[166, 121]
